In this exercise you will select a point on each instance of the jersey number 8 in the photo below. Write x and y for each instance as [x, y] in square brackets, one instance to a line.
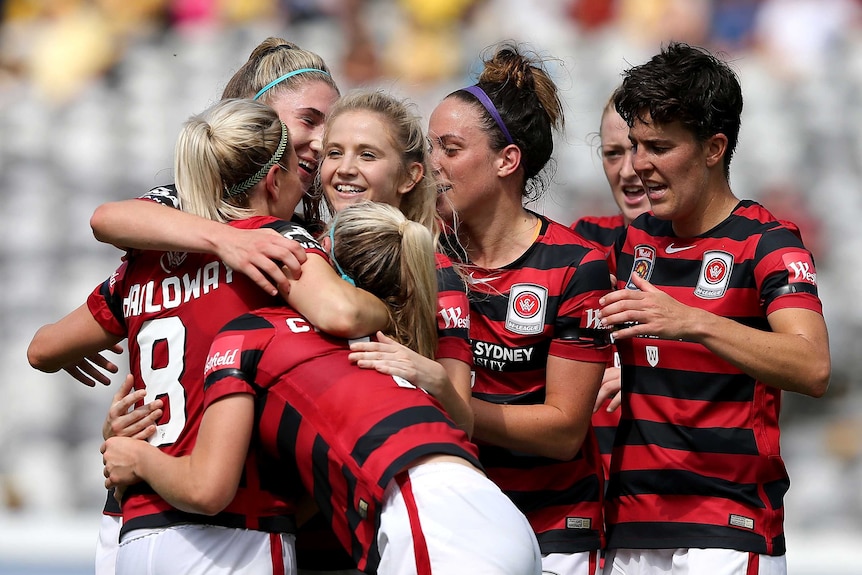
[163, 381]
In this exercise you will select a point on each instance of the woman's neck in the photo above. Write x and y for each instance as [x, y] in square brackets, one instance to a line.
[500, 239]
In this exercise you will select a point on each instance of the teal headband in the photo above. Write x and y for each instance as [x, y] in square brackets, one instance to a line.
[344, 276]
[246, 185]
[281, 79]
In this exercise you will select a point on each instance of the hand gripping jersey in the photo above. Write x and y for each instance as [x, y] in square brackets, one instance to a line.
[543, 304]
[348, 430]
[697, 461]
[170, 305]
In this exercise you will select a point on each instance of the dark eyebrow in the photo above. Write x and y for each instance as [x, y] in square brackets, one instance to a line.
[313, 111]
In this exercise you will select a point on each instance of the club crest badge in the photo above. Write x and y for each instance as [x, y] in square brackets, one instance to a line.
[643, 264]
[652, 355]
[526, 310]
[714, 275]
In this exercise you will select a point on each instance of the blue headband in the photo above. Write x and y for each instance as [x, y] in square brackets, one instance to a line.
[489, 105]
[281, 79]
[344, 276]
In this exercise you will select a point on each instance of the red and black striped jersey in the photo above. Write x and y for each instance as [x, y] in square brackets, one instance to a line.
[543, 304]
[317, 548]
[601, 231]
[170, 305]
[453, 313]
[697, 461]
[349, 430]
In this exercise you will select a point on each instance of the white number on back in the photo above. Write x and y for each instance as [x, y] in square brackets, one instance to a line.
[164, 382]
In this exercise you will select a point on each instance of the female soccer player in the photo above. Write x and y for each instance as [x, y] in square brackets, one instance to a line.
[534, 290]
[234, 163]
[395, 476]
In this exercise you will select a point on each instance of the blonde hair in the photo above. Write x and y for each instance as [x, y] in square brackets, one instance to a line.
[271, 59]
[405, 129]
[220, 149]
[393, 258]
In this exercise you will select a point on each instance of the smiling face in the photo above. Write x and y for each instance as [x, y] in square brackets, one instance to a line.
[303, 111]
[616, 151]
[360, 162]
[462, 159]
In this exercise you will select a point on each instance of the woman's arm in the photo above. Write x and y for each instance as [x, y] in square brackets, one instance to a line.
[146, 225]
[448, 380]
[794, 356]
[62, 344]
[204, 482]
[555, 428]
[332, 305]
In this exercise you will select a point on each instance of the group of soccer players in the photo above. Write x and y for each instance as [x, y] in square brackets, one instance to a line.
[259, 428]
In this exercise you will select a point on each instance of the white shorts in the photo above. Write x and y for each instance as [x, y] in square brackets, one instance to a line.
[466, 523]
[586, 563]
[690, 561]
[107, 545]
[205, 549]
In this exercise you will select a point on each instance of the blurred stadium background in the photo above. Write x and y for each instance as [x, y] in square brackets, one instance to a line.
[92, 94]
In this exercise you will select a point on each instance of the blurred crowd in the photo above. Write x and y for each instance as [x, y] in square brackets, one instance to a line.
[61, 45]
[92, 93]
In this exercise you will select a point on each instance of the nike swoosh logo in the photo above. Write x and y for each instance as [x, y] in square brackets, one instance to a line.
[481, 281]
[672, 250]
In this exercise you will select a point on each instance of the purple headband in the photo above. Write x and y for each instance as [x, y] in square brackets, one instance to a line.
[489, 105]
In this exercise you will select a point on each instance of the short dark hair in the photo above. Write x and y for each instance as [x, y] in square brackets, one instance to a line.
[687, 84]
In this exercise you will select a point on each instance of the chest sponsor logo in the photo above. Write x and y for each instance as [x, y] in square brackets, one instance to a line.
[526, 310]
[800, 268]
[652, 355]
[714, 275]
[643, 264]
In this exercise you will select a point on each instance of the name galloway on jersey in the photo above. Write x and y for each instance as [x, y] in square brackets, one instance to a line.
[175, 290]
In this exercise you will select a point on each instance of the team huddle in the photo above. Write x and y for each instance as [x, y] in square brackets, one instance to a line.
[353, 349]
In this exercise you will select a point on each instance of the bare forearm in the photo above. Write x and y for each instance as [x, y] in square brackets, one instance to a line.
[536, 429]
[455, 394]
[797, 362]
[147, 225]
[349, 312]
[68, 340]
[171, 477]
